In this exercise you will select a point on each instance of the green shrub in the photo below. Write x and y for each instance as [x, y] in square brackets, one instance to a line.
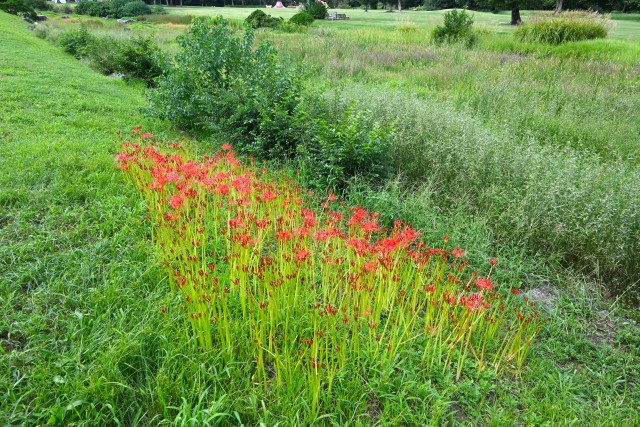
[565, 27]
[302, 18]
[135, 8]
[76, 42]
[219, 83]
[18, 7]
[339, 148]
[259, 19]
[139, 58]
[157, 9]
[316, 9]
[102, 54]
[457, 28]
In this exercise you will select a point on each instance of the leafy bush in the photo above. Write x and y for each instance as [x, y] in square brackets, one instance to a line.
[135, 8]
[457, 28]
[113, 8]
[158, 9]
[316, 9]
[102, 55]
[76, 42]
[336, 150]
[139, 58]
[18, 7]
[302, 18]
[565, 27]
[259, 19]
[218, 82]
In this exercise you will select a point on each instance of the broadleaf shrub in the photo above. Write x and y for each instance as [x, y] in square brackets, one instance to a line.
[457, 28]
[259, 19]
[113, 8]
[18, 7]
[302, 18]
[76, 42]
[562, 28]
[135, 8]
[316, 9]
[342, 144]
[219, 83]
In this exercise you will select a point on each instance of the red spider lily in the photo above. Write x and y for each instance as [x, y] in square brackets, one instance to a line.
[147, 135]
[484, 284]
[493, 262]
[457, 252]
[283, 236]
[302, 255]
[176, 201]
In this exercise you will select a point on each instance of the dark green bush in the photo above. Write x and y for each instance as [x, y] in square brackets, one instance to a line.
[113, 8]
[76, 42]
[561, 29]
[135, 8]
[302, 18]
[219, 83]
[457, 28]
[157, 9]
[102, 54]
[259, 19]
[336, 149]
[139, 58]
[18, 7]
[316, 9]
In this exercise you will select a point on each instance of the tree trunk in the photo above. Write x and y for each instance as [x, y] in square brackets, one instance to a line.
[399, 5]
[558, 7]
[515, 16]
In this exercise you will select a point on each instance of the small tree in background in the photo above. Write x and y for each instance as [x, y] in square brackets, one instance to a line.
[316, 9]
[457, 28]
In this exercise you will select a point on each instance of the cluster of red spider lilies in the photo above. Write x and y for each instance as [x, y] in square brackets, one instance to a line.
[306, 291]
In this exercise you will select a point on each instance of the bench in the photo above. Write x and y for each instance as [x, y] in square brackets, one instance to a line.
[335, 16]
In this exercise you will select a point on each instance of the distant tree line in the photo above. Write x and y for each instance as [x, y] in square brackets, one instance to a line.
[485, 5]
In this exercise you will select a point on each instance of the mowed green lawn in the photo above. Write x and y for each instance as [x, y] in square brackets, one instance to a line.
[625, 29]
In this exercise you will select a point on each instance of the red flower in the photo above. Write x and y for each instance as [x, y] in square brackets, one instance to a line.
[137, 129]
[457, 252]
[176, 201]
[302, 254]
[493, 262]
[370, 227]
[147, 135]
[225, 147]
[483, 283]
[515, 291]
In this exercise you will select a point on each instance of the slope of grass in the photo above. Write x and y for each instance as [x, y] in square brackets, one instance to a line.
[84, 340]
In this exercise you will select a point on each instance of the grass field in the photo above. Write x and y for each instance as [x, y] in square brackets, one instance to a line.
[625, 28]
[83, 337]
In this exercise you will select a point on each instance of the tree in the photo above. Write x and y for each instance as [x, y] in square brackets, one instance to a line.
[514, 6]
[558, 7]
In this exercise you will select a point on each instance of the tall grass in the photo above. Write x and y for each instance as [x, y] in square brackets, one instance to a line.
[570, 26]
[563, 204]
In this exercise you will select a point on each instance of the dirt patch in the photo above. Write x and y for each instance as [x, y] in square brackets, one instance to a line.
[543, 295]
